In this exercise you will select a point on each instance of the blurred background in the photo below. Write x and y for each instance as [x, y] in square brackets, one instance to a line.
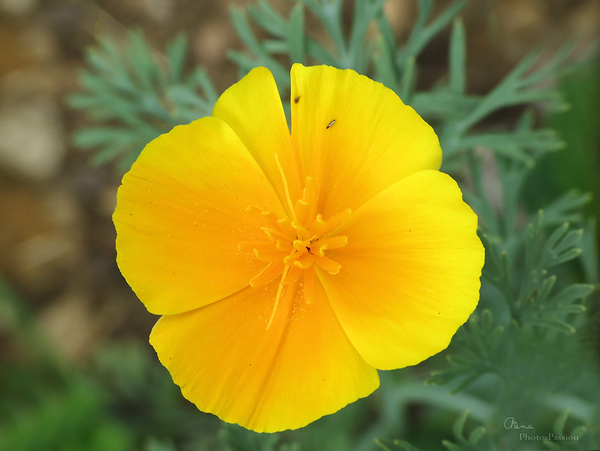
[75, 364]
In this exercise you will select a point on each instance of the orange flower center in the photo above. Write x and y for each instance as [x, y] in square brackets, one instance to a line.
[296, 244]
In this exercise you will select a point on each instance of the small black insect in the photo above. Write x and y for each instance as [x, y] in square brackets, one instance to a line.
[297, 99]
[330, 125]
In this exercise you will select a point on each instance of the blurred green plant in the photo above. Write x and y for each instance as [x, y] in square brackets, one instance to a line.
[525, 353]
[44, 405]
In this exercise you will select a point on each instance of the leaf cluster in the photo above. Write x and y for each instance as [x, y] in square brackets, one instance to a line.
[479, 340]
[138, 95]
[471, 441]
[573, 438]
[453, 111]
[236, 438]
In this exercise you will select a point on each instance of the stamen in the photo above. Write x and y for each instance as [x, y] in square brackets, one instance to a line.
[267, 274]
[302, 210]
[280, 228]
[337, 220]
[329, 265]
[309, 199]
[305, 262]
[269, 255]
[286, 188]
[276, 234]
[319, 226]
[295, 244]
[301, 232]
[278, 297]
[255, 211]
[334, 242]
[293, 275]
[309, 285]
[284, 245]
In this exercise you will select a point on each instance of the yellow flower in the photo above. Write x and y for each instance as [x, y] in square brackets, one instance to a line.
[289, 267]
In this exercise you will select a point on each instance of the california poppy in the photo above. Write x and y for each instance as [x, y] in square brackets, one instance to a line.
[289, 266]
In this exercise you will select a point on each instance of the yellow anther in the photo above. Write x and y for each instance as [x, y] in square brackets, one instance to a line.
[294, 245]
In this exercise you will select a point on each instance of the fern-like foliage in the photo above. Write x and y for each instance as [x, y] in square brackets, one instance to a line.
[137, 95]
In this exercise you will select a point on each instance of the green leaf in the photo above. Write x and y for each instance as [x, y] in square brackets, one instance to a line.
[569, 255]
[99, 61]
[442, 377]
[319, 53]
[556, 236]
[458, 426]
[379, 443]
[329, 14]
[290, 447]
[466, 382]
[579, 431]
[458, 361]
[119, 75]
[571, 239]
[409, 76]
[269, 19]
[445, 106]
[176, 54]
[573, 293]
[242, 27]
[421, 34]
[156, 445]
[365, 11]
[296, 39]
[477, 434]
[544, 289]
[140, 55]
[515, 144]
[200, 79]
[183, 96]
[458, 55]
[553, 445]
[405, 445]
[515, 89]
[90, 137]
[589, 257]
[559, 424]
[561, 210]
[387, 32]
[243, 61]
[236, 438]
[559, 248]
[385, 70]
[451, 446]
[555, 324]
[108, 153]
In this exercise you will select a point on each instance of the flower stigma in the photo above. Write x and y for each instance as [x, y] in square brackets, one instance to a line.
[293, 245]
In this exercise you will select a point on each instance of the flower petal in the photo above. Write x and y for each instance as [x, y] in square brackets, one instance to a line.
[181, 214]
[410, 272]
[355, 136]
[252, 107]
[228, 362]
